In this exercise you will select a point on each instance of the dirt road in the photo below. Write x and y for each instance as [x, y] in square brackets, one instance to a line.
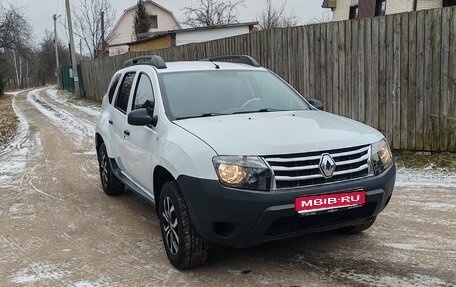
[58, 228]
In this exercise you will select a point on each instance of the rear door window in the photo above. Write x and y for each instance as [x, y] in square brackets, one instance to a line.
[124, 92]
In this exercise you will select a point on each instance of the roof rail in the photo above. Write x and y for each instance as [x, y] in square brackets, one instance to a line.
[240, 59]
[153, 60]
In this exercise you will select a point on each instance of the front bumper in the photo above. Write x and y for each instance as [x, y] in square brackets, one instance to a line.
[243, 218]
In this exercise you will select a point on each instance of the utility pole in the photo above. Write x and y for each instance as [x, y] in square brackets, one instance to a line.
[57, 72]
[103, 43]
[73, 50]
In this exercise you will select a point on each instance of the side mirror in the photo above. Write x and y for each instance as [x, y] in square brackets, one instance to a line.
[317, 104]
[141, 117]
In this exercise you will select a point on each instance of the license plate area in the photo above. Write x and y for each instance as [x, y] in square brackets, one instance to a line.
[311, 204]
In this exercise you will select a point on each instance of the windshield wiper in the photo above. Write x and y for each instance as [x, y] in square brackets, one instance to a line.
[212, 115]
[206, 115]
[266, 110]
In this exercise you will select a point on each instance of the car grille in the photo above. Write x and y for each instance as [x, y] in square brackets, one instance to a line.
[300, 170]
[296, 223]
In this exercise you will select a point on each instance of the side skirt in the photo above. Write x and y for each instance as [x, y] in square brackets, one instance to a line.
[129, 182]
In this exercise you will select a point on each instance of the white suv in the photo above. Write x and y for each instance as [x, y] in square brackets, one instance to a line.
[229, 153]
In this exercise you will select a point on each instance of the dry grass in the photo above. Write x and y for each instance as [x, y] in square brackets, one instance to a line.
[8, 120]
[435, 160]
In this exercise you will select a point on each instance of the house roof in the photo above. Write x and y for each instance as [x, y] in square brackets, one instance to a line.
[134, 7]
[156, 35]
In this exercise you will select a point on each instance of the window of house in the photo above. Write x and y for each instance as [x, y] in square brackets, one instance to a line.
[153, 21]
[380, 7]
[354, 12]
[447, 3]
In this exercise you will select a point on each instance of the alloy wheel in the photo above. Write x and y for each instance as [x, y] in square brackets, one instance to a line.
[170, 226]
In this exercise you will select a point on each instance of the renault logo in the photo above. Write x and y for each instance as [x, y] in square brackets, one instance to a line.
[327, 165]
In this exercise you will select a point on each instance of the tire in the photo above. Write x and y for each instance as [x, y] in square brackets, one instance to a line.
[111, 184]
[358, 228]
[184, 246]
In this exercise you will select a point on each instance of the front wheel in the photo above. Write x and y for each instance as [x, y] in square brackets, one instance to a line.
[183, 244]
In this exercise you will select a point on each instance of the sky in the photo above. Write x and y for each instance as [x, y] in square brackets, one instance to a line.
[39, 12]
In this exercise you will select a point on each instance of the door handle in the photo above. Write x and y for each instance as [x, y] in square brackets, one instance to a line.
[111, 122]
[126, 132]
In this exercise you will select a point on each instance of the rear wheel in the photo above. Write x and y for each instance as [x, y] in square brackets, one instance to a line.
[358, 228]
[111, 184]
[183, 244]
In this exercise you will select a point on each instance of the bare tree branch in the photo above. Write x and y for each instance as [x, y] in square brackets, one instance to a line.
[15, 31]
[325, 17]
[212, 12]
[88, 22]
[275, 17]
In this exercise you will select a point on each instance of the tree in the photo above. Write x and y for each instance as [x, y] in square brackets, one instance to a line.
[15, 30]
[15, 44]
[45, 58]
[324, 17]
[275, 17]
[212, 12]
[141, 23]
[88, 24]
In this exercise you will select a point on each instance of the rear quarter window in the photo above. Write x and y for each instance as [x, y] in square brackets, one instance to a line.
[112, 88]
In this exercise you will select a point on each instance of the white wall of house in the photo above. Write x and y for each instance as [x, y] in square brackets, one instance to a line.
[186, 37]
[400, 6]
[342, 10]
[123, 32]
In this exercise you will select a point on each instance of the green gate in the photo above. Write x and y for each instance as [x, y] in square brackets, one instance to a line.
[66, 82]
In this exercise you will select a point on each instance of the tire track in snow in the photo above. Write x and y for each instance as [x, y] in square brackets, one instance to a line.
[78, 129]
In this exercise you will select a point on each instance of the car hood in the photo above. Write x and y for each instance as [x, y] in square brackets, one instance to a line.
[279, 132]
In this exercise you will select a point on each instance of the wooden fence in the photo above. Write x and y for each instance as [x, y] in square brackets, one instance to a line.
[396, 73]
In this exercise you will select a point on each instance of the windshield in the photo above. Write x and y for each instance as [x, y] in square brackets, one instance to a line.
[212, 93]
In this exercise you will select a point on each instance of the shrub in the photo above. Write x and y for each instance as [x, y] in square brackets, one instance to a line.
[2, 84]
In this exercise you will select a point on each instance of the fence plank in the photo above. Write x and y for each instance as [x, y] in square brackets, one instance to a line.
[412, 89]
[436, 70]
[382, 52]
[404, 78]
[374, 80]
[368, 71]
[452, 83]
[389, 78]
[444, 100]
[341, 95]
[397, 82]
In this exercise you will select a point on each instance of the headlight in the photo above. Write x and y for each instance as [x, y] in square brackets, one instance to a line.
[243, 172]
[382, 158]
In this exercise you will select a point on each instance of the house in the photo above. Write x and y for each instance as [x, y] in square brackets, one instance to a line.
[160, 19]
[180, 37]
[353, 9]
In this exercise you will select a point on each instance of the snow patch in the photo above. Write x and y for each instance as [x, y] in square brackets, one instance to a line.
[84, 283]
[39, 272]
[90, 110]
[425, 178]
[412, 280]
[79, 129]
[13, 158]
